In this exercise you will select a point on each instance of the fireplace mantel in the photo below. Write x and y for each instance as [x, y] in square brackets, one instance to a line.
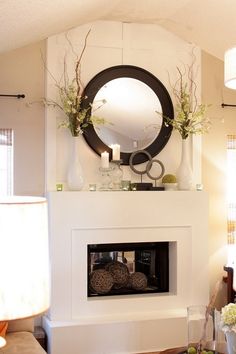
[79, 218]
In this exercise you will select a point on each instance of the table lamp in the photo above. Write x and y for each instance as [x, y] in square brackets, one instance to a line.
[24, 258]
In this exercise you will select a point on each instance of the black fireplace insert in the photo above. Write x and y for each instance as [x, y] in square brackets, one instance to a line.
[128, 268]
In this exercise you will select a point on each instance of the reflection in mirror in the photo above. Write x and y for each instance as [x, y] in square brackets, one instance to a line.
[132, 95]
[130, 111]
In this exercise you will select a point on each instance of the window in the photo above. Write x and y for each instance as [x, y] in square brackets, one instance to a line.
[6, 161]
[231, 198]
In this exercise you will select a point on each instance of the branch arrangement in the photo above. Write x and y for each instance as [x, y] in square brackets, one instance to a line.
[190, 116]
[71, 96]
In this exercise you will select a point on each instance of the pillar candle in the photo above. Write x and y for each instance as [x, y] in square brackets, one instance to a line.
[115, 152]
[104, 159]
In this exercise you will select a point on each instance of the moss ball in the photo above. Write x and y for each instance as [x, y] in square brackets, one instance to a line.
[169, 179]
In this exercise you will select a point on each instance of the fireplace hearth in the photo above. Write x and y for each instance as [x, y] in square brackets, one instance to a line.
[128, 268]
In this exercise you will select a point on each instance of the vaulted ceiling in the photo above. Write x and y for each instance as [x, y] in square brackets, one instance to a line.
[210, 24]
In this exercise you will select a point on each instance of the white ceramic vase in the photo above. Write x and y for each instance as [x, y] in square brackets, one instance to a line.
[184, 172]
[75, 178]
[231, 342]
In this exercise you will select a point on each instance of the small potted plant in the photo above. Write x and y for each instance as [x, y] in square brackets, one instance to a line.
[170, 182]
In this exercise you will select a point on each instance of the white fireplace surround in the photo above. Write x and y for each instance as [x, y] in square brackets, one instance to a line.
[130, 323]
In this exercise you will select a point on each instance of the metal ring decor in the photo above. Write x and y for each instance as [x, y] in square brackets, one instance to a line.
[149, 166]
[143, 152]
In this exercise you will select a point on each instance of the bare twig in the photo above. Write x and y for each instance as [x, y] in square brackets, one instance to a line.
[70, 92]
[71, 45]
[189, 115]
[192, 85]
[45, 66]
[77, 67]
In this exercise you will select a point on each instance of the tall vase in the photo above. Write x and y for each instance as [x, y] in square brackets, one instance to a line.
[231, 342]
[184, 172]
[75, 178]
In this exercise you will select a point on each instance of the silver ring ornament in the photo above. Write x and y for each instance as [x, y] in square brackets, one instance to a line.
[149, 166]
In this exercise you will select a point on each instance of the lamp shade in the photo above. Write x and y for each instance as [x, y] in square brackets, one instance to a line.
[24, 261]
[230, 68]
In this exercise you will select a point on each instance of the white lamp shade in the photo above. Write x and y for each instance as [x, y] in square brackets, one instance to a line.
[24, 257]
[230, 68]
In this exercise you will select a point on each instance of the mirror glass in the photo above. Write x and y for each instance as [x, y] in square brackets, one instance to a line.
[133, 97]
[130, 112]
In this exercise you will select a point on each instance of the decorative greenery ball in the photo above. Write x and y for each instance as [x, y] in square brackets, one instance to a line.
[169, 179]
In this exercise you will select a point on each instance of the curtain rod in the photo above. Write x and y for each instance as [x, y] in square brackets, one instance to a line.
[20, 95]
[227, 105]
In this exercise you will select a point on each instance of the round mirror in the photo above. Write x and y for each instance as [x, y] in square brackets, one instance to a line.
[130, 113]
[132, 96]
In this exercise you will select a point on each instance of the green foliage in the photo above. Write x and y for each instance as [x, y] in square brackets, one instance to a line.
[77, 119]
[190, 117]
[71, 96]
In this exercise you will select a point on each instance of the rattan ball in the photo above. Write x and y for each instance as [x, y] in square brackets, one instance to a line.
[101, 281]
[119, 272]
[138, 281]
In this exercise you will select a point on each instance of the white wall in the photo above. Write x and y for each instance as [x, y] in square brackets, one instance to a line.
[109, 44]
[21, 71]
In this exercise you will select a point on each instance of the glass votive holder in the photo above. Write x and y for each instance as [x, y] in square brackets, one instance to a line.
[92, 187]
[133, 186]
[125, 185]
[199, 187]
[59, 187]
[105, 178]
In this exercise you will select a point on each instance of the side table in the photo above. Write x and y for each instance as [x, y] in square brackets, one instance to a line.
[169, 351]
[182, 349]
[174, 350]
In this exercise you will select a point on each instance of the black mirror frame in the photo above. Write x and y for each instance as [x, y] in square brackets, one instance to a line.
[149, 79]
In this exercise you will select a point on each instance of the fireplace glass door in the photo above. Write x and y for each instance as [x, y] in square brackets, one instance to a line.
[128, 268]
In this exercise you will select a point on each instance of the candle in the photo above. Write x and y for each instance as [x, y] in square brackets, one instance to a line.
[115, 152]
[104, 159]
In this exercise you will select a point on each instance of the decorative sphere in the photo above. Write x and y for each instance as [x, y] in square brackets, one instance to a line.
[169, 179]
[119, 272]
[101, 281]
[138, 281]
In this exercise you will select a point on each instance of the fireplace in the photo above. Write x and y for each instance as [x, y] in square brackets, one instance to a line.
[128, 268]
[170, 225]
